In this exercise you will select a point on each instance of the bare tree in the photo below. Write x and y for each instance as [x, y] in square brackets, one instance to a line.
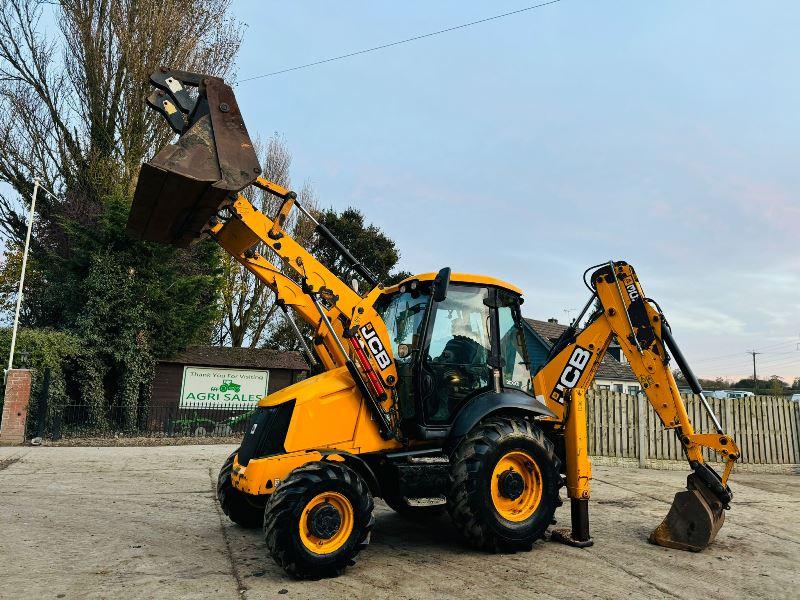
[71, 100]
[248, 307]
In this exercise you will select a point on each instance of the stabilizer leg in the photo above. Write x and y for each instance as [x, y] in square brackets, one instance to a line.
[579, 474]
[578, 536]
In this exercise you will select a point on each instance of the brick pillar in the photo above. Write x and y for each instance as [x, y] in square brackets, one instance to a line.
[15, 406]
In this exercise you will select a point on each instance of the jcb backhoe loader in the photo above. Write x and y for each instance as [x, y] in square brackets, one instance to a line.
[425, 395]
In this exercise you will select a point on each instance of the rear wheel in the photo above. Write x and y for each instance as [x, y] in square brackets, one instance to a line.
[241, 508]
[504, 485]
[318, 520]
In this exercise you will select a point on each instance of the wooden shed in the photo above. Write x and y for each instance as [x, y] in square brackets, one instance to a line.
[282, 369]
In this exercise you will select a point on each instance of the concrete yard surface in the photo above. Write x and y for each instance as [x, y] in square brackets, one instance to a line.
[143, 522]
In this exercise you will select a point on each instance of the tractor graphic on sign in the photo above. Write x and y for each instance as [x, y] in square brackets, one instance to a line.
[227, 384]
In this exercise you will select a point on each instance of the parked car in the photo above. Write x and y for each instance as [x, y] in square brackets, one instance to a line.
[738, 394]
[795, 398]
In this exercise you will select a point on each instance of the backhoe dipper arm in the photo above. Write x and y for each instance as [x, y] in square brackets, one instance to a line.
[626, 314]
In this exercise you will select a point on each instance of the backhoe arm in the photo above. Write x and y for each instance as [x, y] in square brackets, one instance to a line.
[623, 312]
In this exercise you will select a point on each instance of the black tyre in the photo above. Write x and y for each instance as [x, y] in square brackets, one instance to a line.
[318, 520]
[504, 485]
[241, 508]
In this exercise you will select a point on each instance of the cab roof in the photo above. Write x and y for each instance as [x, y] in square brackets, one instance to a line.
[462, 278]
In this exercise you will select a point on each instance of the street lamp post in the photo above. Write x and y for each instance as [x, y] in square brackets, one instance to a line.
[22, 275]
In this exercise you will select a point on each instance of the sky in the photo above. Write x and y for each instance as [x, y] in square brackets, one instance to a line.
[531, 147]
[534, 146]
[663, 133]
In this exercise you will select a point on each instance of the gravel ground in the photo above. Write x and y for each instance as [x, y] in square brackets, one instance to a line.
[142, 522]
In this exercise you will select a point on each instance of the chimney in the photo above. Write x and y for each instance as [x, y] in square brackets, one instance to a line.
[552, 320]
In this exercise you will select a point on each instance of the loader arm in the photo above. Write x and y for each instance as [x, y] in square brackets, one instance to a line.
[193, 188]
[623, 312]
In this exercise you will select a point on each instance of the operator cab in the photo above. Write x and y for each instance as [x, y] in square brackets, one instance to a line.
[454, 337]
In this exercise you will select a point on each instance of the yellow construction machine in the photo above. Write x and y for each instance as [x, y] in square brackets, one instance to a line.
[426, 396]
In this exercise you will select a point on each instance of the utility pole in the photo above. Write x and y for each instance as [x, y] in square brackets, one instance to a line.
[755, 378]
[22, 275]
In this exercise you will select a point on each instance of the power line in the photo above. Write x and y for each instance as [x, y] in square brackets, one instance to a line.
[767, 349]
[780, 357]
[786, 362]
[399, 42]
[724, 358]
[740, 368]
[778, 344]
[741, 363]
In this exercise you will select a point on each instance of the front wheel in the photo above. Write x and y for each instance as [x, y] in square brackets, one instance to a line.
[243, 509]
[504, 485]
[318, 520]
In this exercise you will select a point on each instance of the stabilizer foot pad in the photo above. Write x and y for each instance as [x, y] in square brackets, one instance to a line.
[564, 536]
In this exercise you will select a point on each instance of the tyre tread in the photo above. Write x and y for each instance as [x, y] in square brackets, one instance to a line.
[465, 498]
[285, 506]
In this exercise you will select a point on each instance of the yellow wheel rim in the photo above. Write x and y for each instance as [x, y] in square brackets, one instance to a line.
[516, 486]
[327, 545]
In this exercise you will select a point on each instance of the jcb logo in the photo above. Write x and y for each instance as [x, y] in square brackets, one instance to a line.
[375, 346]
[571, 374]
[633, 294]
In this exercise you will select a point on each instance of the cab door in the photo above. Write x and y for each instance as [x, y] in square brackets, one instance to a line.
[455, 359]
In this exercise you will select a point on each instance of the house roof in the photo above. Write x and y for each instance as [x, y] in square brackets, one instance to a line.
[245, 358]
[610, 368]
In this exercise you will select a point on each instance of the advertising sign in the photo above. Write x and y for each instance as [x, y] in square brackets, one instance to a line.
[211, 386]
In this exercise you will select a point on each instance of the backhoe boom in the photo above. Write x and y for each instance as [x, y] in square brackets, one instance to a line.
[624, 313]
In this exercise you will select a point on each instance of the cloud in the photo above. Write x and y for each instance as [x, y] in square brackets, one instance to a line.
[699, 319]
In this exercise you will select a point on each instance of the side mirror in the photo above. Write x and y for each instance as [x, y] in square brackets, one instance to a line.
[403, 351]
[440, 284]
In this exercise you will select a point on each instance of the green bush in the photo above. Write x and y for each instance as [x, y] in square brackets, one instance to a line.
[102, 308]
[44, 349]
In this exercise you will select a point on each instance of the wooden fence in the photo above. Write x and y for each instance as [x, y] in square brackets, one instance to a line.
[766, 428]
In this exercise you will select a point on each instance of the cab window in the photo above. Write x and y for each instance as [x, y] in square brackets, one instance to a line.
[403, 315]
[456, 358]
[513, 349]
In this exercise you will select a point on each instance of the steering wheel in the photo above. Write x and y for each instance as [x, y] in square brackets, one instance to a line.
[454, 371]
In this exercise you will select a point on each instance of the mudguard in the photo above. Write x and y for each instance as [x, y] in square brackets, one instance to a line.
[491, 402]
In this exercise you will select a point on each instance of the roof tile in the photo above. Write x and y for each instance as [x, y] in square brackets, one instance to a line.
[610, 368]
[246, 358]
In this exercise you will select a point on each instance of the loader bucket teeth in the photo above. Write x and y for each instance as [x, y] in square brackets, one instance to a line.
[693, 520]
[188, 182]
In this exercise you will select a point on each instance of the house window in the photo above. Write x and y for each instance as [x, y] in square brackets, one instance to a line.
[617, 387]
[634, 390]
[603, 387]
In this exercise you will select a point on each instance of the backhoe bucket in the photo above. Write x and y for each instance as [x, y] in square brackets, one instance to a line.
[693, 520]
[188, 182]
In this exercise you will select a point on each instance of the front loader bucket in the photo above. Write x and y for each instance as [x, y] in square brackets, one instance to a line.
[187, 183]
[693, 520]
